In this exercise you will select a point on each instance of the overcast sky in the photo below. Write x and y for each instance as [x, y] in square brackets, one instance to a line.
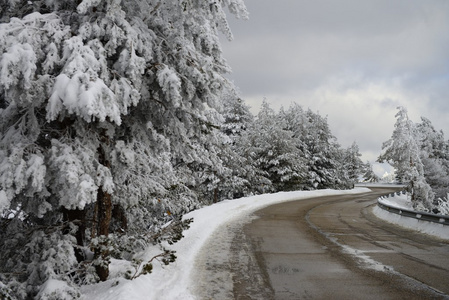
[352, 60]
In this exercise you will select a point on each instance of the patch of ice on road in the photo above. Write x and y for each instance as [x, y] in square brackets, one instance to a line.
[365, 260]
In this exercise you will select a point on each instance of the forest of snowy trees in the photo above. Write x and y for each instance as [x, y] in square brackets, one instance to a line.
[115, 119]
[420, 156]
[292, 149]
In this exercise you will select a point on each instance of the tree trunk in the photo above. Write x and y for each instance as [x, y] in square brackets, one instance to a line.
[104, 201]
[216, 195]
[104, 213]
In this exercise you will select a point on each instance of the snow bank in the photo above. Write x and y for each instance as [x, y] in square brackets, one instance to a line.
[398, 201]
[402, 202]
[175, 280]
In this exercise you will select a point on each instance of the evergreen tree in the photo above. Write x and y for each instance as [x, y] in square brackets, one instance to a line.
[106, 109]
[348, 166]
[236, 114]
[368, 173]
[353, 164]
[295, 120]
[269, 147]
[321, 152]
[237, 120]
[434, 156]
[403, 152]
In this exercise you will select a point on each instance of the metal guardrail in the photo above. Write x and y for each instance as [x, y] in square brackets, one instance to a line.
[440, 219]
[379, 184]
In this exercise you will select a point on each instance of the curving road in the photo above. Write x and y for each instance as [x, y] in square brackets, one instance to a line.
[324, 248]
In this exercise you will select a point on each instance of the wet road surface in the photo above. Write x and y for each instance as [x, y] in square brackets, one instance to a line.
[323, 248]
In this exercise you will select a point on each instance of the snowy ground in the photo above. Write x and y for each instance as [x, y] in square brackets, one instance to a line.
[434, 229]
[175, 281]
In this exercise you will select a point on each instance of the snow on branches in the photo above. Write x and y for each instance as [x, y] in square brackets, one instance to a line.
[108, 113]
[420, 156]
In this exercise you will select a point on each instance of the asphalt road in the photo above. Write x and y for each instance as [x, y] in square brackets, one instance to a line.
[323, 248]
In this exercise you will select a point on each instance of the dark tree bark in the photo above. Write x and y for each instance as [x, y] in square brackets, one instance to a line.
[119, 217]
[104, 201]
[77, 216]
[104, 214]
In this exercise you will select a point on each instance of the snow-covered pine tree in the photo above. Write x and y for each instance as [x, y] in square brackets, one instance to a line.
[295, 120]
[322, 155]
[352, 163]
[403, 152]
[237, 119]
[270, 148]
[236, 114]
[321, 152]
[434, 156]
[106, 108]
[368, 173]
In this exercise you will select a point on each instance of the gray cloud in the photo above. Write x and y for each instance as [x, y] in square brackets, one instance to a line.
[352, 60]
